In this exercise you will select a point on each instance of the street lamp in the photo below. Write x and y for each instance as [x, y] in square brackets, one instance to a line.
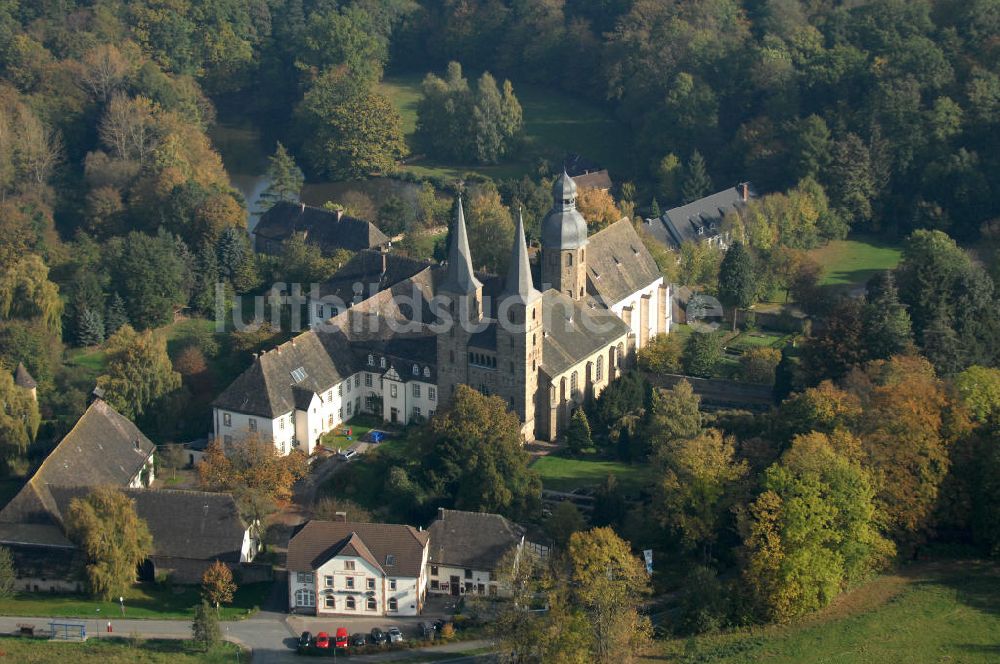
[121, 601]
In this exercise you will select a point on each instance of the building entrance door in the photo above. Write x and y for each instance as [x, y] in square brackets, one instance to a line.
[455, 586]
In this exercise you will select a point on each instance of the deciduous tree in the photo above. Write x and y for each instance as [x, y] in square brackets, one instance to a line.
[251, 463]
[472, 452]
[217, 585]
[139, 371]
[113, 538]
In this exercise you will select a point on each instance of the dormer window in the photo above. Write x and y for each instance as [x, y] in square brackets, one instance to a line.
[371, 360]
[427, 372]
[381, 362]
[416, 370]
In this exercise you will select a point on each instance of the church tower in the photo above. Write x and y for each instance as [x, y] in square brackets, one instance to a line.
[519, 334]
[464, 300]
[564, 242]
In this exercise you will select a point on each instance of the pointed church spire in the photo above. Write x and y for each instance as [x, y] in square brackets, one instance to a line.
[460, 277]
[519, 283]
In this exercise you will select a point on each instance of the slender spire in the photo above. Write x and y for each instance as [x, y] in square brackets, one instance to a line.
[519, 283]
[460, 277]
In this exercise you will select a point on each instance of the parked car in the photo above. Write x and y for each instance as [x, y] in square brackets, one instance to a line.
[322, 641]
[358, 639]
[426, 630]
[395, 636]
[377, 636]
[305, 641]
[347, 455]
[341, 640]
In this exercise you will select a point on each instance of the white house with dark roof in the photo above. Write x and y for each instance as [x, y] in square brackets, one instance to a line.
[357, 569]
[466, 550]
[700, 221]
[571, 322]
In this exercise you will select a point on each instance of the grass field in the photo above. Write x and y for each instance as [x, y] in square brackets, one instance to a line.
[113, 651]
[850, 263]
[564, 474]
[143, 601]
[554, 125]
[935, 612]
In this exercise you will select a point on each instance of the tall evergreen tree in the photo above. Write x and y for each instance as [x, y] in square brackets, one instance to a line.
[285, 178]
[737, 283]
[89, 328]
[116, 315]
[697, 184]
[206, 277]
[885, 323]
[205, 628]
[578, 432]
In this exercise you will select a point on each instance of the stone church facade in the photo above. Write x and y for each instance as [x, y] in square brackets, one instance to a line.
[548, 336]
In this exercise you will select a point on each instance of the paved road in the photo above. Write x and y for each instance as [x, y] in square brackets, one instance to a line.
[268, 635]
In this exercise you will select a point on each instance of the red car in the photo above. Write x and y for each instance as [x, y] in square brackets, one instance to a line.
[341, 640]
[322, 641]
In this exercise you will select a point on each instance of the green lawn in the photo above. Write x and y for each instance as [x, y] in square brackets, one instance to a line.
[756, 339]
[113, 651]
[554, 125]
[849, 263]
[943, 612]
[143, 601]
[338, 438]
[564, 474]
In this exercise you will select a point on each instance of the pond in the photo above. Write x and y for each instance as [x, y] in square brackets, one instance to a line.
[245, 157]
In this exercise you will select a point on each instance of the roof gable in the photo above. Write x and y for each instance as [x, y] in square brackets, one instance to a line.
[103, 447]
[321, 227]
[618, 263]
[316, 542]
[475, 540]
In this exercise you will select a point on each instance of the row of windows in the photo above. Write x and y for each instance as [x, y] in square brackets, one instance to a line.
[307, 598]
[481, 360]
[467, 573]
[382, 363]
[329, 581]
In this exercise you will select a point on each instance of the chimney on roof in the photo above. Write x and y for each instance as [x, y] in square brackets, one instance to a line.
[440, 512]
[341, 516]
[745, 191]
[96, 395]
[302, 207]
[340, 213]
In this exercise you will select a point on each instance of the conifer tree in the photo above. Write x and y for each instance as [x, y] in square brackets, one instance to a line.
[737, 287]
[89, 327]
[285, 179]
[578, 433]
[116, 315]
[205, 628]
[697, 184]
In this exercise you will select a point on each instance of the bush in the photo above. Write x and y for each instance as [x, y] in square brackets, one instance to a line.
[758, 365]
[662, 354]
[702, 354]
[448, 630]
[704, 602]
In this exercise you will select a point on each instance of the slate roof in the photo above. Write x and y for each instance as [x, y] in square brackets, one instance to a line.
[563, 226]
[321, 227]
[518, 283]
[459, 275]
[618, 263]
[266, 388]
[401, 353]
[103, 447]
[184, 524]
[191, 524]
[472, 540]
[593, 180]
[574, 330]
[317, 541]
[369, 272]
[23, 379]
[681, 224]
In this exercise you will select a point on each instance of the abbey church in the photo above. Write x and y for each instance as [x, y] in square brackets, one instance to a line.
[402, 334]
